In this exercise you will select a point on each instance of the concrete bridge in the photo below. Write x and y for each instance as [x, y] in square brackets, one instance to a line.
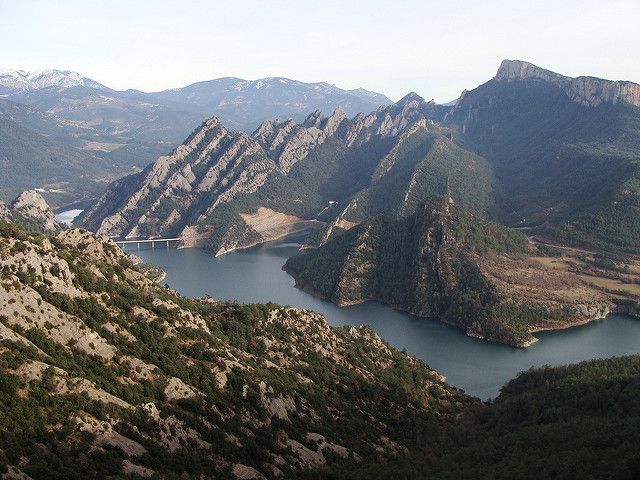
[152, 241]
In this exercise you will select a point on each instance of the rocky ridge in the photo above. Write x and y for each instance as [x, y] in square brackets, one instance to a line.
[208, 187]
[588, 91]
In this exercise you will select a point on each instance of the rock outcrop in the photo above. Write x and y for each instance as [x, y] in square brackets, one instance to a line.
[588, 91]
[31, 211]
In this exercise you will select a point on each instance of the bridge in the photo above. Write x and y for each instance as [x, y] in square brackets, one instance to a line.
[152, 241]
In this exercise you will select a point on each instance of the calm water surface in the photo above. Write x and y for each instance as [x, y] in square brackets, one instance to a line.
[478, 367]
[68, 216]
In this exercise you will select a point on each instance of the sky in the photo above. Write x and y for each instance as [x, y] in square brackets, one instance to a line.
[435, 48]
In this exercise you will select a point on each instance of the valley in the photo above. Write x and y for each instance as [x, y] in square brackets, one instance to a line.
[363, 289]
[477, 366]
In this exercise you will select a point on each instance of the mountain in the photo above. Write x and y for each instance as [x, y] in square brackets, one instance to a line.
[244, 104]
[443, 261]
[565, 152]
[224, 190]
[530, 148]
[170, 115]
[31, 211]
[21, 80]
[105, 374]
[112, 132]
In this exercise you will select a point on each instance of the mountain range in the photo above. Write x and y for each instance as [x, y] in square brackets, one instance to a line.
[106, 132]
[529, 148]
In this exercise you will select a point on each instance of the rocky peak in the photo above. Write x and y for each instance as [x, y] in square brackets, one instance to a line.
[33, 211]
[5, 214]
[23, 80]
[410, 98]
[332, 123]
[520, 70]
[314, 119]
[587, 91]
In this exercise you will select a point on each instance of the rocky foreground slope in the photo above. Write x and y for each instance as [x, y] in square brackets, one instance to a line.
[104, 374]
[445, 262]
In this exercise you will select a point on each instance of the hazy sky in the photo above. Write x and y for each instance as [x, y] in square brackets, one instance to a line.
[436, 48]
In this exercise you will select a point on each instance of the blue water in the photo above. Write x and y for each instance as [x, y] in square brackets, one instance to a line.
[478, 367]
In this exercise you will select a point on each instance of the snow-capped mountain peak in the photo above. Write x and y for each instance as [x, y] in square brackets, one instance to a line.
[24, 80]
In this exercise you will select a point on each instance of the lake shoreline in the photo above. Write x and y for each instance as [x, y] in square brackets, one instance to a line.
[479, 367]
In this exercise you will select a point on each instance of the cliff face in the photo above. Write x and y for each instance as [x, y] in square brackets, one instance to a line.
[588, 91]
[445, 262]
[102, 362]
[32, 211]
[212, 188]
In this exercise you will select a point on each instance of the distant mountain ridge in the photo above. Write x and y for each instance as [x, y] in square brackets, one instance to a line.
[241, 103]
[111, 132]
[25, 80]
[588, 91]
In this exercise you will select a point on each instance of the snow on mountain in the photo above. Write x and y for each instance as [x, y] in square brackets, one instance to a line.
[24, 80]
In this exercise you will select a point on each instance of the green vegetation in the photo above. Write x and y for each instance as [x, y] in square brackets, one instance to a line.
[573, 168]
[579, 421]
[425, 264]
[393, 414]
[193, 341]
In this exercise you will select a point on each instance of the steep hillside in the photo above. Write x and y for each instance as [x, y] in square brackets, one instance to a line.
[35, 152]
[104, 373]
[443, 261]
[571, 422]
[224, 190]
[564, 151]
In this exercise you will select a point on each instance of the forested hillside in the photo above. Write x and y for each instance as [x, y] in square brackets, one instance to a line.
[566, 157]
[447, 262]
[105, 373]
[576, 421]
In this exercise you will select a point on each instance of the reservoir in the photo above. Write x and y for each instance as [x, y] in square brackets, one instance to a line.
[478, 367]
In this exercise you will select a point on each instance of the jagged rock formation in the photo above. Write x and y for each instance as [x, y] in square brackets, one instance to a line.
[565, 160]
[326, 168]
[445, 262]
[588, 91]
[32, 211]
[131, 379]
